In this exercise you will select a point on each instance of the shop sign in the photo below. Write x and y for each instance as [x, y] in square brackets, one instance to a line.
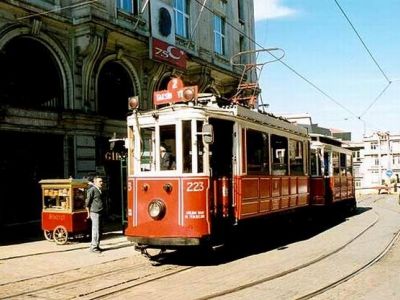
[170, 54]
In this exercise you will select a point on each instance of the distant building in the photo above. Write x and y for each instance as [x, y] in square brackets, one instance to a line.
[380, 160]
[357, 149]
[305, 120]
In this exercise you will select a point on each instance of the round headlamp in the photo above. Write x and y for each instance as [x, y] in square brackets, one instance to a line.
[156, 209]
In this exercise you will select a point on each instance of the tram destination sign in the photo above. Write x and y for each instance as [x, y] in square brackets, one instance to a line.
[176, 92]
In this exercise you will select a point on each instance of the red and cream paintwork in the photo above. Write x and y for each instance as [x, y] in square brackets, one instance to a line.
[266, 194]
[183, 195]
[232, 164]
[332, 179]
[186, 218]
[194, 201]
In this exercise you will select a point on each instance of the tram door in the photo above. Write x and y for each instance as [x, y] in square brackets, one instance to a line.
[221, 154]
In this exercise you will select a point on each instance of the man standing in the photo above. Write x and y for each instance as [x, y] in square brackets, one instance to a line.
[95, 206]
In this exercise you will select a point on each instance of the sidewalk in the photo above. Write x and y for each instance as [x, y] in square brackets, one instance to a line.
[35, 243]
[32, 260]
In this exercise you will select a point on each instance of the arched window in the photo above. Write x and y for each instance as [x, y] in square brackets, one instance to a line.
[29, 78]
[114, 88]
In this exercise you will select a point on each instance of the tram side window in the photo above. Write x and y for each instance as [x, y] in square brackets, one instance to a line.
[257, 152]
[147, 151]
[279, 147]
[327, 163]
[349, 165]
[342, 163]
[335, 164]
[296, 157]
[167, 147]
[314, 163]
[187, 146]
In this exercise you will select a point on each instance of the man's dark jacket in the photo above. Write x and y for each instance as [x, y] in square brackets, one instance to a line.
[94, 200]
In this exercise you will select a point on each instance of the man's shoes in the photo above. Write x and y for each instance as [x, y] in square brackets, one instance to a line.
[95, 250]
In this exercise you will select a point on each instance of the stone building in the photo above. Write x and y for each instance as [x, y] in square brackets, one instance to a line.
[67, 68]
[380, 162]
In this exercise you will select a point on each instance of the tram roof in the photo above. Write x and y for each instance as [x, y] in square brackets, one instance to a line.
[231, 112]
[267, 119]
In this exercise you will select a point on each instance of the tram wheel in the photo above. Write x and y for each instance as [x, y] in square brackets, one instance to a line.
[60, 235]
[48, 235]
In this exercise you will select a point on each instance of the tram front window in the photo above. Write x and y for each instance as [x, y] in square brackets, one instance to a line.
[147, 149]
[172, 147]
[187, 146]
[167, 147]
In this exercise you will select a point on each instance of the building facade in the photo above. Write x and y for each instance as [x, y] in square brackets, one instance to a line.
[380, 161]
[67, 69]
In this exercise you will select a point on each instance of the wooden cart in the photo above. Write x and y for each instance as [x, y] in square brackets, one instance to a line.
[64, 214]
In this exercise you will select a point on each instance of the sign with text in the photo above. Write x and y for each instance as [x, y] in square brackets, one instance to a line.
[170, 54]
[176, 92]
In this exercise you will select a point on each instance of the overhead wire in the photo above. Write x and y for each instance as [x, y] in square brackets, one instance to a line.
[376, 99]
[389, 82]
[362, 41]
[285, 64]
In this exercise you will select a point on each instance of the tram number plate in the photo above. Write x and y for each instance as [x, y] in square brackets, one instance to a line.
[195, 186]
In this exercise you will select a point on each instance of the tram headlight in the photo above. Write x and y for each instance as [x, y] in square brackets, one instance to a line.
[188, 94]
[156, 209]
[133, 102]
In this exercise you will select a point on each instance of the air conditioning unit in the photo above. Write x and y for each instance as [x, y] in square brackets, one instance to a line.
[162, 22]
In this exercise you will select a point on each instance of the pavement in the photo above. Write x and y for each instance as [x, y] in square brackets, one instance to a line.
[34, 243]
[37, 257]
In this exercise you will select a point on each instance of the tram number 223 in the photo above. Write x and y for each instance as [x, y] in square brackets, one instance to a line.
[195, 186]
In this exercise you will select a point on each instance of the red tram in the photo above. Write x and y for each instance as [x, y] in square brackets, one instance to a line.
[332, 179]
[197, 168]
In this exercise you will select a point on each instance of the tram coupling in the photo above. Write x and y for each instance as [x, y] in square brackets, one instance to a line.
[144, 250]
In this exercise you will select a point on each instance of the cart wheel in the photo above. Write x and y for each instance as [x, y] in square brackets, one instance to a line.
[60, 235]
[48, 235]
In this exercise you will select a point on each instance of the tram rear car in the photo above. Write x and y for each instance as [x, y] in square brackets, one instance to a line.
[332, 181]
[225, 165]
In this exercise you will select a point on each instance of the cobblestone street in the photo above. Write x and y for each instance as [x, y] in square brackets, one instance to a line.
[41, 268]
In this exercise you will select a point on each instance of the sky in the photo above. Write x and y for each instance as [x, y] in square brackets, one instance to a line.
[343, 79]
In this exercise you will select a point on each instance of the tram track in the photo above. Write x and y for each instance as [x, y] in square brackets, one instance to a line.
[109, 245]
[126, 285]
[332, 284]
[291, 270]
[133, 275]
[355, 273]
[53, 274]
[52, 277]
